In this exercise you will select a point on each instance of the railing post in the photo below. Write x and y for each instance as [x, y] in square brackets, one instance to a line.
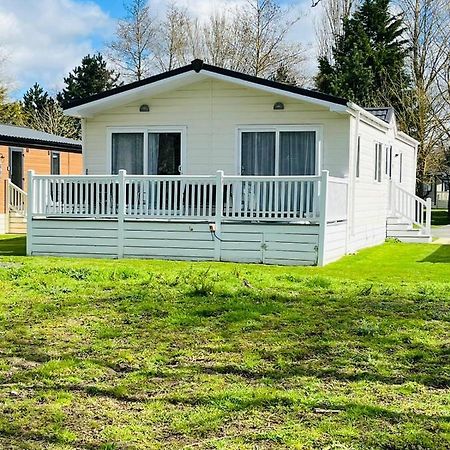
[428, 217]
[121, 213]
[218, 214]
[323, 217]
[7, 203]
[30, 211]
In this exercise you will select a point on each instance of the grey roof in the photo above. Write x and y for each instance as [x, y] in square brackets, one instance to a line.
[384, 113]
[27, 137]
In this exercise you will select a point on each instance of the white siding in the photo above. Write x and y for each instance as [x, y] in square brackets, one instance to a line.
[2, 223]
[335, 241]
[212, 111]
[369, 198]
[252, 243]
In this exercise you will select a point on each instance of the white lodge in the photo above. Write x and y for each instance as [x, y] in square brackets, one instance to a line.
[202, 163]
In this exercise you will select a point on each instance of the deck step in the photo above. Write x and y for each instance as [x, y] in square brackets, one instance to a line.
[414, 239]
[17, 223]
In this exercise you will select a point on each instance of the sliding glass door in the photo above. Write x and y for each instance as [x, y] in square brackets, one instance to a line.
[146, 152]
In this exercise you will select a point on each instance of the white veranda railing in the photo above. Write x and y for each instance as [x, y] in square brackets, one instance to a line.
[16, 199]
[411, 207]
[232, 198]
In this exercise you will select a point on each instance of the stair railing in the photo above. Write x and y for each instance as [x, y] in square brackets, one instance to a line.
[16, 199]
[411, 207]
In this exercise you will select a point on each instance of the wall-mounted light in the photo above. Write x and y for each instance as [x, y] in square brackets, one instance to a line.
[144, 108]
[278, 106]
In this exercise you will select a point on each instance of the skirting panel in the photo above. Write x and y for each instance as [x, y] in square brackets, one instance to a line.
[241, 242]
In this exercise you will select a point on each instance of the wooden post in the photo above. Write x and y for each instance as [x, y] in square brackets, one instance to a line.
[218, 215]
[30, 211]
[121, 213]
[323, 218]
[428, 217]
[7, 202]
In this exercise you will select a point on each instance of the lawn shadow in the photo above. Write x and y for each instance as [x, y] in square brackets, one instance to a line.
[441, 255]
[13, 245]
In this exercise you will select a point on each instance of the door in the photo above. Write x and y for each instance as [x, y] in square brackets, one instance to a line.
[16, 166]
[164, 153]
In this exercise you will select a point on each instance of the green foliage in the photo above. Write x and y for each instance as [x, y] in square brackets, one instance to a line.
[11, 113]
[107, 354]
[89, 78]
[44, 113]
[368, 58]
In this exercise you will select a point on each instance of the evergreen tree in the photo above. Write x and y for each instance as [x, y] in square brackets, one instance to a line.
[44, 113]
[368, 59]
[11, 113]
[89, 78]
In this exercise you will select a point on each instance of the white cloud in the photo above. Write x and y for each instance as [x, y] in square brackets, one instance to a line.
[43, 40]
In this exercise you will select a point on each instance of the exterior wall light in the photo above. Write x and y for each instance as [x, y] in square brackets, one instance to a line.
[144, 108]
[278, 106]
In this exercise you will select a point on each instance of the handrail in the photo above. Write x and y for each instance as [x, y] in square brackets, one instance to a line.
[17, 199]
[180, 197]
[410, 207]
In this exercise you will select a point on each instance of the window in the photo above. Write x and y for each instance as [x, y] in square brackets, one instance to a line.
[146, 152]
[400, 175]
[358, 156]
[279, 152]
[378, 161]
[55, 163]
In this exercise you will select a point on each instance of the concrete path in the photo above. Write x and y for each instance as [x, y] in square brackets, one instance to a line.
[441, 235]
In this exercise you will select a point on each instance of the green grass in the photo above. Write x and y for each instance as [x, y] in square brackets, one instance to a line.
[439, 217]
[149, 354]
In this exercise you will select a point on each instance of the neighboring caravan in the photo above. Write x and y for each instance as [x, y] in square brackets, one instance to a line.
[23, 149]
[225, 166]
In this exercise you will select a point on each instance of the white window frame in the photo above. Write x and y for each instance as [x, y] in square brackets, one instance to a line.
[277, 129]
[146, 130]
[378, 160]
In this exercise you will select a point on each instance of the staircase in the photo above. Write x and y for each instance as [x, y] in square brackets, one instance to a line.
[17, 209]
[410, 219]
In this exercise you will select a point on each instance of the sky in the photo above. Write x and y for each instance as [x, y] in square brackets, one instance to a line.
[43, 40]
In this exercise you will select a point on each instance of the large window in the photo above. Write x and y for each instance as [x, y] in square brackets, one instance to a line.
[279, 152]
[150, 152]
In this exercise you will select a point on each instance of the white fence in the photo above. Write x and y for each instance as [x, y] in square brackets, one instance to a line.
[208, 198]
[411, 207]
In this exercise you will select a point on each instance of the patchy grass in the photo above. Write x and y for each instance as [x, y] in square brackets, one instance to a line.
[149, 354]
[439, 217]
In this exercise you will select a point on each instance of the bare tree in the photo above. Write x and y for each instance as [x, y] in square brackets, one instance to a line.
[132, 50]
[330, 23]
[173, 38]
[427, 112]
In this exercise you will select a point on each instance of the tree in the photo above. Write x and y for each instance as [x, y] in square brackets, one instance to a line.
[330, 24]
[171, 47]
[10, 112]
[132, 49]
[425, 113]
[89, 78]
[44, 113]
[368, 57]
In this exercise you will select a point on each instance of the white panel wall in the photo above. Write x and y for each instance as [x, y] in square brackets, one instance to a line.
[370, 198]
[335, 241]
[212, 110]
[2, 223]
[253, 243]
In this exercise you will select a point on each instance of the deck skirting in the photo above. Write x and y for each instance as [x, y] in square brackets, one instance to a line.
[268, 243]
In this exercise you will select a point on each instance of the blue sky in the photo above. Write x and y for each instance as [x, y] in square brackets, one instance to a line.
[42, 40]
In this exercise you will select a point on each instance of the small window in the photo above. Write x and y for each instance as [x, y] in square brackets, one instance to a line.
[378, 161]
[358, 156]
[390, 162]
[55, 163]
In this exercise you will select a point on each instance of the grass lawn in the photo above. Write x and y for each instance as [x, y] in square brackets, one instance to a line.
[149, 354]
[439, 217]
